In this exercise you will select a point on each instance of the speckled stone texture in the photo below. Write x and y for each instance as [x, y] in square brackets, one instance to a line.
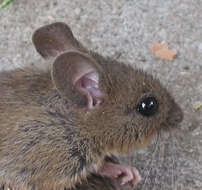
[124, 29]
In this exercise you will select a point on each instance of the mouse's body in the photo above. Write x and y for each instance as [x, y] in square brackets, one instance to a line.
[59, 126]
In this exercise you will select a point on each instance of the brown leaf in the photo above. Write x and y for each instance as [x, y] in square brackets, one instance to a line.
[161, 51]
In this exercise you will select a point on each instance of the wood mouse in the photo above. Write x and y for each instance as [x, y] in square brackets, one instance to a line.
[61, 125]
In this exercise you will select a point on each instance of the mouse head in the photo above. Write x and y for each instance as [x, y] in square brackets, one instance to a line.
[119, 106]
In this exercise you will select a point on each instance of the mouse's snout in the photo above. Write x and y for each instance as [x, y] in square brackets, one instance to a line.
[175, 116]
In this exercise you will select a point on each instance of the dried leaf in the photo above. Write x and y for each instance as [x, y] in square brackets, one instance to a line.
[161, 51]
[157, 46]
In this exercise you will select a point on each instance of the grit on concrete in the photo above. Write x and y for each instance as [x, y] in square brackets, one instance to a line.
[124, 29]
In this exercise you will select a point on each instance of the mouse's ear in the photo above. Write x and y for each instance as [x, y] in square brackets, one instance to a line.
[53, 39]
[77, 77]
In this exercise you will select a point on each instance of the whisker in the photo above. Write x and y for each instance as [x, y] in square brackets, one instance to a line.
[151, 160]
[161, 158]
[173, 162]
[174, 146]
[168, 162]
[12, 103]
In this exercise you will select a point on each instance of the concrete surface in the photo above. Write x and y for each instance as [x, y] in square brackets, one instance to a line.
[124, 29]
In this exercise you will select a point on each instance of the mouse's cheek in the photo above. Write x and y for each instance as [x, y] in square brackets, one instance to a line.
[145, 139]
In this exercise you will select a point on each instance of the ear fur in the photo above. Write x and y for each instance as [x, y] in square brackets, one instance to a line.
[77, 77]
[53, 39]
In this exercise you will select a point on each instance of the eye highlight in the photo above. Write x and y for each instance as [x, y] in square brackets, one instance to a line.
[147, 106]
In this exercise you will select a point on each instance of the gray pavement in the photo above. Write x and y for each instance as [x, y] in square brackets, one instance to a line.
[123, 29]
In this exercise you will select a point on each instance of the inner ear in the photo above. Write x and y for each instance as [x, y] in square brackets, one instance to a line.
[53, 39]
[77, 77]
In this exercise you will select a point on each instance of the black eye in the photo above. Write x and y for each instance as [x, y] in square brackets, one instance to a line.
[147, 106]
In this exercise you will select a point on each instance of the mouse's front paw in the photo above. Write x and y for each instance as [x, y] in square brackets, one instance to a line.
[5, 187]
[126, 174]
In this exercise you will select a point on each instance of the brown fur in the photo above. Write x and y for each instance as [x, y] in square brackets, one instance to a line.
[49, 141]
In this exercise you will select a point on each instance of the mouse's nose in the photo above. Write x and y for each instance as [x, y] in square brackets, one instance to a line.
[175, 115]
[178, 117]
